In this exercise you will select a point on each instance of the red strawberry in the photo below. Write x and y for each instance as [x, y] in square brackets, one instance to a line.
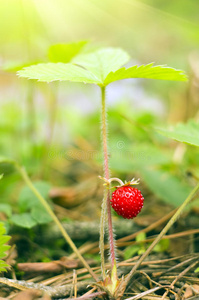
[127, 201]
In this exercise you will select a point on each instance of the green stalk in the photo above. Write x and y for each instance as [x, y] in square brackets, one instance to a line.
[102, 232]
[106, 200]
[162, 233]
[27, 180]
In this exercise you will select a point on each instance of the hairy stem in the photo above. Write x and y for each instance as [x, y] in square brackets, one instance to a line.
[102, 231]
[162, 233]
[106, 175]
[27, 180]
[105, 134]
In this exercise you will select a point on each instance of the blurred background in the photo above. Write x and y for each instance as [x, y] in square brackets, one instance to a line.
[54, 129]
[164, 32]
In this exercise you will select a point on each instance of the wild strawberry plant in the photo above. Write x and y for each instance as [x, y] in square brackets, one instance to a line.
[102, 67]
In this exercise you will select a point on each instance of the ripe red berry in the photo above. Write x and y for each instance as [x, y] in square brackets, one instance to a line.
[127, 201]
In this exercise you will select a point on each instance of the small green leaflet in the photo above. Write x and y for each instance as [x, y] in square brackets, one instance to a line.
[196, 270]
[140, 237]
[167, 187]
[29, 202]
[162, 246]
[40, 215]
[130, 251]
[6, 209]
[3, 247]
[56, 53]
[23, 220]
[58, 72]
[65, 52]
[146, 71]
[6, 160]
[186, 133]
[102, 61]
[137, 157]
[99, 67]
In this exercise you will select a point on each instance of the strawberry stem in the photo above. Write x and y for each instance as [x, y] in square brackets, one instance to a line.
[102, 232]
[104, 134]
[106, 200]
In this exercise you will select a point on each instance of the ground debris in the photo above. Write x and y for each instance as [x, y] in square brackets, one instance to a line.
[157, 278]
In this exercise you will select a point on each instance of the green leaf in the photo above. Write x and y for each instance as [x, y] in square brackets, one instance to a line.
[88, 68]
[196, 270]
[130, 251]
[23, 220]
[165, 186]
[2, 230]
[140, 237]
[6, 208]
[146, 71]
[99, 67]
[133, 157]
[3, 266]
[162, 246]
[58, 71]
[4, 159]
[186, 133]
[28, 200]
[3, 239]
[39, 214]
[102, 61]
[1, 176]
[65, 52]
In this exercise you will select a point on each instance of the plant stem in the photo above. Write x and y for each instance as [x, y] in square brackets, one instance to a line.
[104, 134]
[102, 231]
[162, 233]
[26, 178]
[107, 192]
